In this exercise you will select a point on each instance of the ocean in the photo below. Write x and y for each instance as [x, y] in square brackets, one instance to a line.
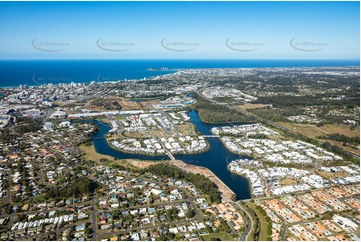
[37, 72]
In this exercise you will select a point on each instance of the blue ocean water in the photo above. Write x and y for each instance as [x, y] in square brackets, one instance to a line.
[37, 72]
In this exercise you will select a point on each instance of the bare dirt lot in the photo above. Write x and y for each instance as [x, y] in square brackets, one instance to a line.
[332, 175]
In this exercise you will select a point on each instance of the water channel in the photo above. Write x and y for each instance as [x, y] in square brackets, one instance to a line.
[216, 158]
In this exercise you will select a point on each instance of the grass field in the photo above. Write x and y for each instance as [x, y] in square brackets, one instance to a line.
[314, 131]
[137, 134]
[186, 129]
[288, 181]
[341, 129]
[104, 120]
[113, 136]
[222, 236]
[332, 175]
[91, 154]
[129, 105]
[252, 106]
[158, 133]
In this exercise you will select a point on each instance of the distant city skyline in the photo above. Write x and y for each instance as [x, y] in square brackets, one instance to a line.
[179, 30]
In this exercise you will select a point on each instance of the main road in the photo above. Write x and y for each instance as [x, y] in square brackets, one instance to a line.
[248, 222]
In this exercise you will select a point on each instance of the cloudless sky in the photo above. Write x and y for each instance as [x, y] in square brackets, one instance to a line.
[206, 26]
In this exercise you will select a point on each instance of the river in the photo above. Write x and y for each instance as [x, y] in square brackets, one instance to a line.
[216, 158]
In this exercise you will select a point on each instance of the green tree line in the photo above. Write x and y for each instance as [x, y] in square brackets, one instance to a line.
[201, 182]
[76, 188]
[214, 113]
[341, 138]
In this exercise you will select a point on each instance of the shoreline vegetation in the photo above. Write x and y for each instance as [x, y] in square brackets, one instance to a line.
[198, 179]
[90, 154]
[208, 114]
[225, 193]
[217, 114]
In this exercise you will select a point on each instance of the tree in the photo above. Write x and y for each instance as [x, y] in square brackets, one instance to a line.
[191, 213]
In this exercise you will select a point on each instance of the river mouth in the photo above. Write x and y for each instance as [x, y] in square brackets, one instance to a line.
[215, 159]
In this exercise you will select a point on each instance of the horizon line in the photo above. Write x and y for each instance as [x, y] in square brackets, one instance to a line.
[302, 59]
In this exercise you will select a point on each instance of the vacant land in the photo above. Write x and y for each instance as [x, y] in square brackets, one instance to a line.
[332, 175]
[341, 129]
[252, 106]
[314, 131]
[104, 120]
[288, 181]
[339, 144]
[91, 154]
[103, 104]
[148, 105]
[159, 133]
[137, 134]
[137, 163]
[186, 129]
[113, 136]
[222, 236]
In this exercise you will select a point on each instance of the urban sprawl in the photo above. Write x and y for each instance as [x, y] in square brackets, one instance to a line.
[295, 131]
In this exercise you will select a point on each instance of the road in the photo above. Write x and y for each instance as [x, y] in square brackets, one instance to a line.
[107, 234]
[93, 218]
[248, 221]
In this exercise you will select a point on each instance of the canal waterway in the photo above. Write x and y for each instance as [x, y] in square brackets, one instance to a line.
[216, 158]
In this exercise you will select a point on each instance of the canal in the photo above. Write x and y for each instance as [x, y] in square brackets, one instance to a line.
[216, 158]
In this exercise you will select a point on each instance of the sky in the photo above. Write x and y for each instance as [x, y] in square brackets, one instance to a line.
[199, 30]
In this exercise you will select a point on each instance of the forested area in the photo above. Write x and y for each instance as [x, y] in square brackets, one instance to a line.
[276, 114]
[341, 138]
[27, 128]
[213, 113]
[201, 182]
[77, 187]
[107, 104]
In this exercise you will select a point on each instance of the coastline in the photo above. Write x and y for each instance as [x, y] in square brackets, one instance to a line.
[173, 65]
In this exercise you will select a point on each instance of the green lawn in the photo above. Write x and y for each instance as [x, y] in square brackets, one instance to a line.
[222, 236]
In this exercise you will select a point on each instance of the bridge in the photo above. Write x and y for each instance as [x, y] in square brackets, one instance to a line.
[211, 136]
[98, 138]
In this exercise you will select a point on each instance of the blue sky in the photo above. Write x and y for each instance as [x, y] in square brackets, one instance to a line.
[254, 30]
